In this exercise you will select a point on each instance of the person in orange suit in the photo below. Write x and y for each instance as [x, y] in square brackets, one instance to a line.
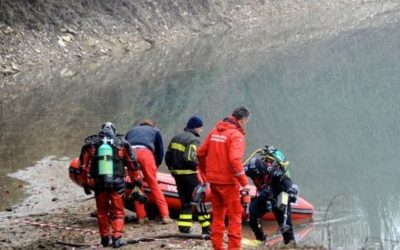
[104, 156]
[220, 158]
[147, 142]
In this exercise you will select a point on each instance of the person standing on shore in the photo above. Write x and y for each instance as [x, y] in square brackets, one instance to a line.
[147, 142]
[105, 156]
[182, 163]
[220, 158]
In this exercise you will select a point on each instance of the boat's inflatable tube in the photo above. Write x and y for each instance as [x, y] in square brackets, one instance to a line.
[301, 210]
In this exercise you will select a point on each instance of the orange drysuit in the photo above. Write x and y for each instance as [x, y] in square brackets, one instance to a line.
[110, 200]
[146, 159]
[220, 158]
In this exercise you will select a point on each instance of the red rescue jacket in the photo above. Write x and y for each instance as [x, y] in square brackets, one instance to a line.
[221, 154]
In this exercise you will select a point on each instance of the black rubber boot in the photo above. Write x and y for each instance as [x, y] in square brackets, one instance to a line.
[105, 241]
[206, 231]
[288, 237]
[184, 230]
[256, 227]
[119, 242]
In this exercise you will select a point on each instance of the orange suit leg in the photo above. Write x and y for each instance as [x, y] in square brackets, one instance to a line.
[148, 166]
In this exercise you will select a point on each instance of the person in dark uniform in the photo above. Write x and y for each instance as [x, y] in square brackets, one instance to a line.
[275, 192]
[182, 163]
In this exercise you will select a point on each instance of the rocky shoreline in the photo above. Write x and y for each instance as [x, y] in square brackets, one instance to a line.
[57, 215]
[29, 42]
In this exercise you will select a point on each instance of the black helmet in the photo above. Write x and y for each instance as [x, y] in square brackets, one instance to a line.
[108, 129]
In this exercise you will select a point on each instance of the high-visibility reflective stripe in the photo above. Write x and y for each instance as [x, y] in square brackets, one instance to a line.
[205, 224]
[192, 153]
[185, 216]
[178, 146]
[185, 223]
[240, 173]
[184, 171]
[203, 217]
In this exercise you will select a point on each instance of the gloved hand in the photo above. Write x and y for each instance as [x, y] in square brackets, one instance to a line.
[87, 190]
[292, 195]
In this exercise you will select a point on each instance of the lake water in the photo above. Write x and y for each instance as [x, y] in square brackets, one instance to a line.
[332, 106]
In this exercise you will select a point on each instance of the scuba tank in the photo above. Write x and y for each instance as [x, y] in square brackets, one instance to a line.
[106, 164]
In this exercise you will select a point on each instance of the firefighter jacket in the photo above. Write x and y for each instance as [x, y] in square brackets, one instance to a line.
[220, 156]
[181, 153]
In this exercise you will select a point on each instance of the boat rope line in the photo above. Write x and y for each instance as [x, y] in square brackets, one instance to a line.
[34, 223]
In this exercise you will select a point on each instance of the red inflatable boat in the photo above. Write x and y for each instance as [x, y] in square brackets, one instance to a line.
[301, 210]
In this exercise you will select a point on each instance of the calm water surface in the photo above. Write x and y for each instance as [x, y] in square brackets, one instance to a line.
[331, 105]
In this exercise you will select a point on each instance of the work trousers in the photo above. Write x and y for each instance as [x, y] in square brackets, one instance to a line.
[226, 202]
[147, 162]
[186, 184]
[110, 210]
[258, 207]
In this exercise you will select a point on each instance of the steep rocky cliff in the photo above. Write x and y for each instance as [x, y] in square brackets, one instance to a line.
[34, 33]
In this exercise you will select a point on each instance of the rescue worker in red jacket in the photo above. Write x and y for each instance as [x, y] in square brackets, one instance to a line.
[220, 158]
[147, 142]
[270, 175]
[105, 156]
[182, 163]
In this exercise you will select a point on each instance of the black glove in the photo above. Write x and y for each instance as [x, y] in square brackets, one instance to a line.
[87, 190]
[292, 195]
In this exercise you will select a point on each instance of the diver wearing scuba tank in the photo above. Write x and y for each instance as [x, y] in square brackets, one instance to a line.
[275, 193]
[105, 156]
